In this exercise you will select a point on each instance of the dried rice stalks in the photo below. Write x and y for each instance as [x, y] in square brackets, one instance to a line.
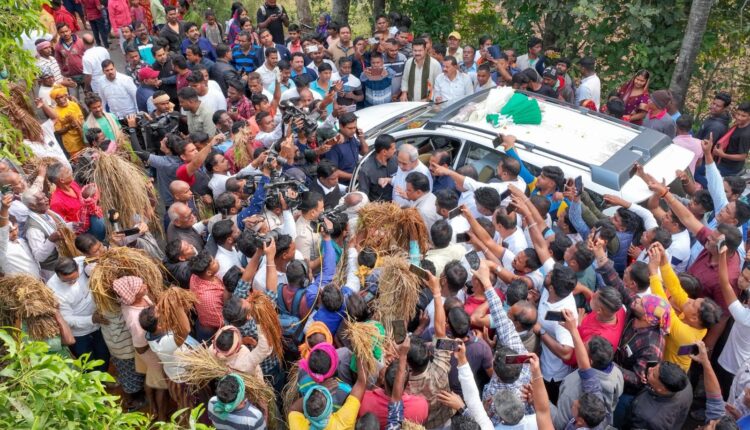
[26, 298]
[173, 302]
[20, 114]
[122, 261]
[241, 156]
[389, 226]
[31, 168]
[290, 394]
[201, 367]
[123, 186]
[411, 425]
[398, 290]
[411, 226]
[264, 312]
[66, 247]
[364, 337]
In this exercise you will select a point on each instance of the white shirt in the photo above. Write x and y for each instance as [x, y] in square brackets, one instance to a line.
[399, 180]
[43, 94]
[327, 190]
[76, 303]
[433, 68]
[452, 90]
[49, 147]
[119, 95]
[268, 76]
[226, 259]
[516, 241]
[292, 93]
[737, 349]
[334, 73]
[165, 347]
[680, 250]
[16, 257]
[441, 257]
[218, 184]
[553, 367]
[92, 64]
[590, 89]
[427, 209]
[459, 225]
[214, 98]
[430, 309]
[472, 185]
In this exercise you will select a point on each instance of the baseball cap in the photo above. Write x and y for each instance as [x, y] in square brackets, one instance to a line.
[147, 73]
[455, 34]
[550, 72]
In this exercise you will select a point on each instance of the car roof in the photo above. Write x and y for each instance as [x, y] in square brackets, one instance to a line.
[373, 117]
[605, 146]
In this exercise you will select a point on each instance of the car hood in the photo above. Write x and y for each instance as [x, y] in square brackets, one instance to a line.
[371, 117]
[663, 166]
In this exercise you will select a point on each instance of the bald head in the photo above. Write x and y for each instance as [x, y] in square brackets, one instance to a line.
[88, 39]
[180, 191]
[15, 181]
[523, 314]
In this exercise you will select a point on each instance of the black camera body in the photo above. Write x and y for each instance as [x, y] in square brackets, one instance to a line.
[319, 225]
[258, 240]
[155, 129]
[292, 113]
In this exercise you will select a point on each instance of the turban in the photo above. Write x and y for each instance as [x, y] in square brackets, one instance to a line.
[127, 288]
[236, 342]
[316, 327]
[58, 91]
[43, 45]
[224, 409]
[330, 350]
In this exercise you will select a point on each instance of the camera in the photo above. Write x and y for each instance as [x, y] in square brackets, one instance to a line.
[258, 240]
[292, 113]
[331, 215]
[280, 185]
[155, 129]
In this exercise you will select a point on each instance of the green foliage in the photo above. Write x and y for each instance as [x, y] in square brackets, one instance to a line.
[18, 17]
[436, 17]
[43, 390]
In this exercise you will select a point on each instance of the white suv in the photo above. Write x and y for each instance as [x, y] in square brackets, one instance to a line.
[599, 148]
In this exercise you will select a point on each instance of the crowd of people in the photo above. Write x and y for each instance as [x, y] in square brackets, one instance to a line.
[536, 310]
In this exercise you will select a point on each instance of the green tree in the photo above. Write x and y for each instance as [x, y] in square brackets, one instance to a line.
[42, 390]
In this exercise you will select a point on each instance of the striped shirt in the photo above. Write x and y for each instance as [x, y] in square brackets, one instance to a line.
[244, 62]
[377, 92]
[247, 417]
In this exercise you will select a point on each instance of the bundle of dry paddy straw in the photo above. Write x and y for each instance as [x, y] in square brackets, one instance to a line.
[388, 226]
[398, 291]
[364, 337]
[202, 366]
[172, 303]
[27, 298]
[122, 261]
[123, 186]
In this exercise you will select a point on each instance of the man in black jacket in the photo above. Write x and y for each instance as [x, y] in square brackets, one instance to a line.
[223, 71]
[717, 121]
[327, 184]
[664, 404]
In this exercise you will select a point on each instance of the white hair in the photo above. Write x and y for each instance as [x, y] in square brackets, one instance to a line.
[172, 211]
[410, 150]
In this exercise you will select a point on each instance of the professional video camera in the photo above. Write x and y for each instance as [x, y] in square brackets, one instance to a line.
[257, 240]
[280, 185]
[292, 112]
[155, 129]
[331, 215]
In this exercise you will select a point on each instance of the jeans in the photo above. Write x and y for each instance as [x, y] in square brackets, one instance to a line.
[203, 333]
[92, 343]
[99, 28]
[620, 415]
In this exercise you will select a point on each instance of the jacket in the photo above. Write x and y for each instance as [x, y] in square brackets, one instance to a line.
[70, 60]
[119, 13]
[222, 72]
[718, 125]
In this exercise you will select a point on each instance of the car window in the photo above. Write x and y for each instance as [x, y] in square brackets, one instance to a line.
[426, 144]
[483, 159]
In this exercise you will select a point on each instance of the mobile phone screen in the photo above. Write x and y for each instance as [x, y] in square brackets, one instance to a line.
[399, 330]
[688, 350]
[473, 259]
[579, 185]
[454, 213]
[505, 194]
[462, 237]
[446, 344]
[554, 316]
[420, 272]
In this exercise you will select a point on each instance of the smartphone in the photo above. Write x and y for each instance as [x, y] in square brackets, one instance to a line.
[498, 141]
[596, 233]
[554, 316]
[517, 359]
[399, 331]
[462, 237]
[420, 272]
[579, 185]
[504, 195]
[473, 259]
[688, 350]
[720, 243]
[454, 213]
[6, 189]
[129, 231]
[372, 41]
[446, 344]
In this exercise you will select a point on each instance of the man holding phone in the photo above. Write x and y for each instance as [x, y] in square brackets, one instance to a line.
[272, 16]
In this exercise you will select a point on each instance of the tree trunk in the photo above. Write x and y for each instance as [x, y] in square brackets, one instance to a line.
[340, 11]
[378, 7]
[691, 43]
[304, 14]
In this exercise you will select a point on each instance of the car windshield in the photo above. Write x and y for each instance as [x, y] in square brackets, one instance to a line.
[414, 118]
[564, 129]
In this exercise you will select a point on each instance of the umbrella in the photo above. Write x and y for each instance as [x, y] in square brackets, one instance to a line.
[523, 109]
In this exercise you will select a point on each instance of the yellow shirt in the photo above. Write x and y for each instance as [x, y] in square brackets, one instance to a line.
[344, 419]
[72, 139]
[680, 333]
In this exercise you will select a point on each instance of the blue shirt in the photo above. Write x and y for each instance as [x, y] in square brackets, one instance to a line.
[244, 62]
[444, 183]
[345, 155]
[311, 75]
[206, 47]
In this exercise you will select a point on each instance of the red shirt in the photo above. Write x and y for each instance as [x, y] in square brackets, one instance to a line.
[210, 296]
[68, 207]
[91, 7]
[376, 401]
[708, 273]
[590, 327]
[182, 174]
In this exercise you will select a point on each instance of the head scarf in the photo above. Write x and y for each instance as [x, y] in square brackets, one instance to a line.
[330, 350]
[57, 91]
[127, 288]
[321, 421]
[42, 45]
[224, 409]
[377, 347]
[626, 89]
[657, 312]
[317, 327]
[236, 342]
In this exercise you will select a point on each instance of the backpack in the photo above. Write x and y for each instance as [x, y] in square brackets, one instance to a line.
[289, 319]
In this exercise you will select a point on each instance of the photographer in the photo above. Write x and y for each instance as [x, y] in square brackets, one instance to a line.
[327, 184]
[259, 197]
